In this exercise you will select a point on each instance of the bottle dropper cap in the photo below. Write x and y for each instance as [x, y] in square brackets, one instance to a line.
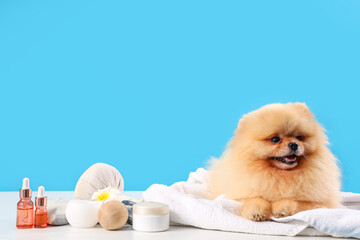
[41, 192]
[41, 200]
[25, 191]
[26, 183]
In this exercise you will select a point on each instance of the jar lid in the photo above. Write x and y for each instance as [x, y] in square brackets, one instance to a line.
[151, 208]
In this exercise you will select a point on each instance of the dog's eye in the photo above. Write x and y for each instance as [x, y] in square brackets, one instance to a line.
[300, 138]
[275, 139]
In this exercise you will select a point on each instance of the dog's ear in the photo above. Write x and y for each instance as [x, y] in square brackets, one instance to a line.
[303, 107]
[240, 123]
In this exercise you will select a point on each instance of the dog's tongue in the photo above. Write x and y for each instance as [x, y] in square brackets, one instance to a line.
[290, 158]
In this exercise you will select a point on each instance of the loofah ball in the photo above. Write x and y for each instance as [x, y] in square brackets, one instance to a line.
[96, 177]
[113, 215]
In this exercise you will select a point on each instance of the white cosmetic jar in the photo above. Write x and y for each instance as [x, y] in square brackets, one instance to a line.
[150, 217]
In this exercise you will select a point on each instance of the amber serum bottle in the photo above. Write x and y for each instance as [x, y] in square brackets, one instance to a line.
[40, 211]
[25, 207]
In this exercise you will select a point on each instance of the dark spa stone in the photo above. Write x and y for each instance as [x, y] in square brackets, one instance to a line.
[129, 205]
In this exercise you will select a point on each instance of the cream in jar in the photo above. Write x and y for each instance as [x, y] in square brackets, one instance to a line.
[150, 217]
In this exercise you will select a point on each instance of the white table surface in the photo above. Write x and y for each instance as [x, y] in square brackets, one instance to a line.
[9, 231]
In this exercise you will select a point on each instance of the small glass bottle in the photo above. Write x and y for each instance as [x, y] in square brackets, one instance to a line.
[25, 207]
[40, 211]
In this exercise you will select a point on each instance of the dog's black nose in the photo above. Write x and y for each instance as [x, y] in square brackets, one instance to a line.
[293, 146]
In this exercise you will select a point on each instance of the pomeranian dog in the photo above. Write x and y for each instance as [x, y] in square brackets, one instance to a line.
[277, 164]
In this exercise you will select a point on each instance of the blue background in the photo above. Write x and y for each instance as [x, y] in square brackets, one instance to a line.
[155, 88]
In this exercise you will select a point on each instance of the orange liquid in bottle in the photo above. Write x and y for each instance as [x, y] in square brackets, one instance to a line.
[40, 211]
[40, 219]
[24, 217]
[25, 207]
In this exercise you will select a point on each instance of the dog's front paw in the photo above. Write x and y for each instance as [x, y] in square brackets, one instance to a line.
[256, 209]
[257, 216]
[284, 208]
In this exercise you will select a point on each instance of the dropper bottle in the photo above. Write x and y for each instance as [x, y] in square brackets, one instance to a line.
[25, 207]
[40, 211]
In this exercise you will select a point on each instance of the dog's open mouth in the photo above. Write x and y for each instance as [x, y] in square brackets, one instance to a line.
[289, 160]
[286, 162]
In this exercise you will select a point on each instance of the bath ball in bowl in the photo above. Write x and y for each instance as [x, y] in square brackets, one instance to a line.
[113, 215]
[82, 213]
[96, 177]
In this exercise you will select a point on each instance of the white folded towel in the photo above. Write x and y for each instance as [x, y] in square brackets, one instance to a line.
[190, 205]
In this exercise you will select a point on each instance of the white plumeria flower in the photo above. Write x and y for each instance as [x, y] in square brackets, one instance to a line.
[106, 194]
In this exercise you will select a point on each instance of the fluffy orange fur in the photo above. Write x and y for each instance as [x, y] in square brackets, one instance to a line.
[247, 170]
